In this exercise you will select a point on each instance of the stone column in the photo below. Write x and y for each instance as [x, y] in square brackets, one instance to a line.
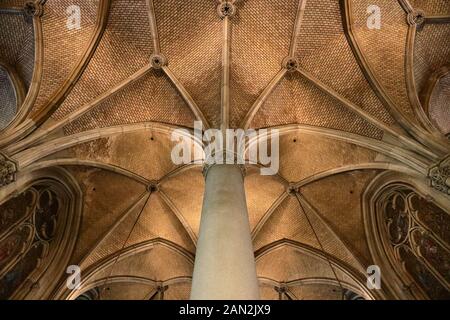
[224, 264]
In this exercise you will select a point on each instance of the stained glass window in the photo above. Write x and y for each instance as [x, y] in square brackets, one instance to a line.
[418, 231]
[28, 223]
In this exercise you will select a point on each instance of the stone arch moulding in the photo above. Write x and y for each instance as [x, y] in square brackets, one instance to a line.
[430, 93]
[17, 88]
[27, 97]
[314, 281]
[398, 282]
[355, 280]
[92, 274]
[42, 280]
[129, 279]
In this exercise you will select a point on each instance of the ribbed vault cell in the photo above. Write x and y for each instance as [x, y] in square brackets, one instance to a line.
[439, 109]
[384, 49]
[16, 61]
[137, 289]
[63, 47]
[7, 99]
[428, 59]
[295, 268]
[432, 7]
[322, 42]
[17, 49]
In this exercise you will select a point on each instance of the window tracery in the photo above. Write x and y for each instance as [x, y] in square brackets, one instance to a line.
[418, 234]
[28, 225]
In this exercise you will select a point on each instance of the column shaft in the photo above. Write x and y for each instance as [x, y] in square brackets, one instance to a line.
[224, 263]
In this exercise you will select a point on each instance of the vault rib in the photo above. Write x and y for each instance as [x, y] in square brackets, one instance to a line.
[66, 88]
[439, 146]
[26, 126]
[122, 217]
[33, 154]
[186, 97]
[411, 87]
[437, 19]
[96, 164]
[363, 166]
[297, 27]
[153, 26]
[262, 98]
[406, 6]
[10, 9]
[178, 171]
[25, 158]
[305, 203]
[108, 262]
[179, 216]
[225, 82]
[405, 156]
[360, 112]
[126, 252]
[346, 270]
[305, 248]
[282, 179]
[355, 287]
[261, 223]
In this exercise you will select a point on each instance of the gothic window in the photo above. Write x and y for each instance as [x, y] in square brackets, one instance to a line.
[28, 225]
[417, 233]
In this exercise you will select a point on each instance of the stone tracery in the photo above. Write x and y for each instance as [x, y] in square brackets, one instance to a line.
[31, 223]
[417, 231]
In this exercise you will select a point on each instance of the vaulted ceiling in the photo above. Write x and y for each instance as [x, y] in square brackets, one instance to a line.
[358, 102]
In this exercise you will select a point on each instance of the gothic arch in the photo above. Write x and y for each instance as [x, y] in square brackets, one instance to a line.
[39, 224]
[111, 269]
[407, 231]
[348, 277]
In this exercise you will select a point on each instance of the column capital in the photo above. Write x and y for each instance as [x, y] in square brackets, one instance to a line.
[206, 168]
[8, 170]
[439, 175]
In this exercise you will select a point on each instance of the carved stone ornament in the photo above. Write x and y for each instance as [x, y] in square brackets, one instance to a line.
[439, 176]
[290, 63]
[158, 61]
[153, 187]
[292, 190]
[416, 17]
[8, 169]
[33, 9]
[226, 9]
